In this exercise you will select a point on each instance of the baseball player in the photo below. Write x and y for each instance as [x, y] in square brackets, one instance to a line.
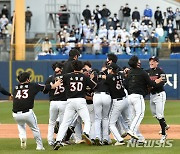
[120, 103]
[138, 80]
[158, 95]
[75, 84]
[23, 103]
[4, 92]
[57, 99]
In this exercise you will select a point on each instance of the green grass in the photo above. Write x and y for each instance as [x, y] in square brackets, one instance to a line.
[41, 109]
[13, 146]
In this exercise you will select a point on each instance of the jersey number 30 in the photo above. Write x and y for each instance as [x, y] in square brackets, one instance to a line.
[76, 86]
[22, 94]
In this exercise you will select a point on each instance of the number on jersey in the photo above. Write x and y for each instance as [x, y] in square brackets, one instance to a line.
[76, 86]
[22, 94]
[59, 89]
[118, 85]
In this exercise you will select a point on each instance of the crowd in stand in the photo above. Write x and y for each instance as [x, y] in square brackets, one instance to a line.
[125, 32]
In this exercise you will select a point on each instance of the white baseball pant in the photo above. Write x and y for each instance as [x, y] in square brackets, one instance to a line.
[56, 111]
[75, 105]
[102, 105]
[30, 119]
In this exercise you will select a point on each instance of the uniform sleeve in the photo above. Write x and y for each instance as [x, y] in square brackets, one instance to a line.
[148, 80]
[41, 87]
[3, 91]
[49, 80]
[163, 75]
[90, 83]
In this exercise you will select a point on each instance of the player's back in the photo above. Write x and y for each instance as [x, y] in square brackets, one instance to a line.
[75, 85]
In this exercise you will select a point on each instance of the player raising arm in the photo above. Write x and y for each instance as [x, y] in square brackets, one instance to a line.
[23, 103]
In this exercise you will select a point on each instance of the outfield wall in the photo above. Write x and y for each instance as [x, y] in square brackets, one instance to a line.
[40, 71]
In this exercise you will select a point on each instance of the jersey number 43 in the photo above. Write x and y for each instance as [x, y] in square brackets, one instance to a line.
[22, 94]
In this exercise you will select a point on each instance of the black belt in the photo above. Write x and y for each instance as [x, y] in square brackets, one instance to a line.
[153, 93]
[102, 92]
[22, 111]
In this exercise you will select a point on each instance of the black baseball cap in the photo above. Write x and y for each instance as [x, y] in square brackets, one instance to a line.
[154, 58]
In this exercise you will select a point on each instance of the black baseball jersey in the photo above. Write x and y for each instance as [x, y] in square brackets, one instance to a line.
[3, 91]
[76, 83]
[115, 84]
[57, 94]
[101, 86]
[154, 74]
[89, 92]
[138, 81]
[24, 95]
[68, 66]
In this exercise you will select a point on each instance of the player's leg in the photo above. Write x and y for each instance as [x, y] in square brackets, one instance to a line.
[153, 105]
[105, 116]
[78, 131]
[97, 102]
[82, 110]
[160, 103]
[92, 119]
[31, 121]
[113, 117]
[67, 120]
[53, 115]
[139, 107]
[21, 128]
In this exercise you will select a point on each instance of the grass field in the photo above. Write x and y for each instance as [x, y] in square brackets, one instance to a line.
[12, 146]
[41, 109]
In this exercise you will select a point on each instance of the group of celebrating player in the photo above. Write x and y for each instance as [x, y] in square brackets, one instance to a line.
[107, 101]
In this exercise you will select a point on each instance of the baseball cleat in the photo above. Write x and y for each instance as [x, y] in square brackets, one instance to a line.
[119, 143]
[105, 142]
[86, 138]
[124, 134]
[166, 128]
[80, 141]
[133, 135]
[57, 145]
[23, 143]
[163, 139]
[97, 141]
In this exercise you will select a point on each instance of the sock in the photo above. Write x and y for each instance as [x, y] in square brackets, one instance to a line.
[164, 122]
[163, 125]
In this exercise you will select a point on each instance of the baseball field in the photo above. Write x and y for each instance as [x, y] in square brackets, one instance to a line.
[9, 142]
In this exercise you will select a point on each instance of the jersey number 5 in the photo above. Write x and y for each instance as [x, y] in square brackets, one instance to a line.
[76, 86]
[22, 94]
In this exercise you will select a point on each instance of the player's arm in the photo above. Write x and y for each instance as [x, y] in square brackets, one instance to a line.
[91, 83]
[3, 91]
[48, 81]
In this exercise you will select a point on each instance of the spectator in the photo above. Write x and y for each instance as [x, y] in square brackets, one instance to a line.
[28, 15]
[96, 45]
[111, 33]
[158, 16]
[170, 14]
[87, 14]
[154, 44]
[160, 32]
[63, 16]
[118, 31]
[92, 22]
[110, 23]
[102, 32]
[172, 36]
[97, 16]
[5, 11]
[115, 20]
[121, 16]
[105, 13]
[165, 21]
[114, 45]
[148, 12]
[46, 45]
[105, 46]
[170, 28]
[82, 29]
[3, 23]
[136, 14]
[177, 18]
[126, 14]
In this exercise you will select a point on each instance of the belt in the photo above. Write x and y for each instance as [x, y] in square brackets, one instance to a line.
[22, 111]
[102, 93]
[153, 93]
[118, 99]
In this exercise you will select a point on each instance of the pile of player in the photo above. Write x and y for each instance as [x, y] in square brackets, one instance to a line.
[107, 101]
